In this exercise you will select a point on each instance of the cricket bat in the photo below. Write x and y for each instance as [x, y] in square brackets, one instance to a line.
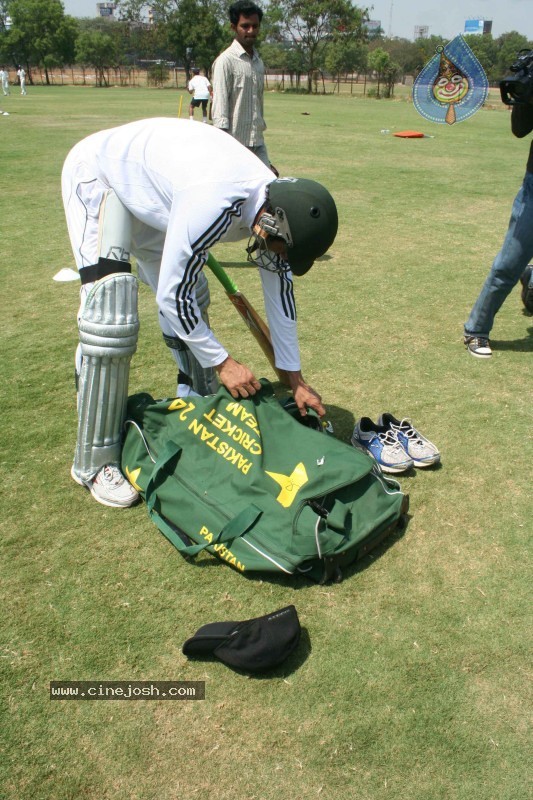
[257, 327]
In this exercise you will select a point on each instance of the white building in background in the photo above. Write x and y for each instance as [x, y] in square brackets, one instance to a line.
[106, 10]
[421, 32]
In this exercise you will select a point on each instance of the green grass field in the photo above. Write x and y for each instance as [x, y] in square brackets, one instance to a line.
[411, 682]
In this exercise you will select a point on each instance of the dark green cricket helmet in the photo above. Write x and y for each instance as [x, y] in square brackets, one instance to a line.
[310, 216]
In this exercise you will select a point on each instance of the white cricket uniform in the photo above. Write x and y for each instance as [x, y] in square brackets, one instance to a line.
[22, 78]
[4, 79]
[187, 188]
[200, 87]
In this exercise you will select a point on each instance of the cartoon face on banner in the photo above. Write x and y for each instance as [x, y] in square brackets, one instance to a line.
[452, 86]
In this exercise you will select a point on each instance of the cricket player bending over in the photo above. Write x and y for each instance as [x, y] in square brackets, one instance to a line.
[141, 190]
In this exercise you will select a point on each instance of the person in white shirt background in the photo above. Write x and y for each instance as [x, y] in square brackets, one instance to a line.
[201, 90]
[22, 78]
[4, 79]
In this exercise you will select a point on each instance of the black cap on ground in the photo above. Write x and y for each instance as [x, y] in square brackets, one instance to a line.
[253, 645]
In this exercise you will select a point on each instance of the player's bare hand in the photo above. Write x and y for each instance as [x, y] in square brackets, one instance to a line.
[304, 395]
[237, 378]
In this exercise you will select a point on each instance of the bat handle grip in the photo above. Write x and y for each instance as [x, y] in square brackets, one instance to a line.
[221, 275]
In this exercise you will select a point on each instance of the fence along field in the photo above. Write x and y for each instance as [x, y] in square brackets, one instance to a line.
[171, 77]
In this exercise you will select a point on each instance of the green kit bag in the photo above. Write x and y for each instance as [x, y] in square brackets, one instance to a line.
[246, 481]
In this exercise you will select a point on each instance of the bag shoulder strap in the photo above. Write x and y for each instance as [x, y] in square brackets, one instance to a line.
[236, 527]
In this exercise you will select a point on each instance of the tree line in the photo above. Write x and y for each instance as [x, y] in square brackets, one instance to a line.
[304, 39]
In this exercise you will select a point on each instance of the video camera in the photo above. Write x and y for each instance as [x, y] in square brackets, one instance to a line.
[518, 88]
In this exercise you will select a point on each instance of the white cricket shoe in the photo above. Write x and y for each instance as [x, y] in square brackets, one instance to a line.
[423, 452]
[382, 444]
[109, 487]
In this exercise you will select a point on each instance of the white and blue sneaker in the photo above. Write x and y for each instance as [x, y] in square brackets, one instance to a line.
[382, 444]
[422, 452]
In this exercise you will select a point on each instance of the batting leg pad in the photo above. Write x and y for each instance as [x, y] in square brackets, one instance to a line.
[109, 329]
[202, 380]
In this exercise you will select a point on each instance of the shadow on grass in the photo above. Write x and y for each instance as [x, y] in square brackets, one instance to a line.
[524, 345]
[343, 421]
[414, 472]
[374, 555]
[303, 651]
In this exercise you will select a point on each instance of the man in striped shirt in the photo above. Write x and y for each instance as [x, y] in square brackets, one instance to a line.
[168, 213]
[238, 78]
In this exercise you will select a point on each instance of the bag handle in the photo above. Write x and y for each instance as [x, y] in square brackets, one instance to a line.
[336, 518]
[236, 527]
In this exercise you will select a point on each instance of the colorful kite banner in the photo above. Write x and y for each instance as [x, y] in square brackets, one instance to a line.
[452, 86]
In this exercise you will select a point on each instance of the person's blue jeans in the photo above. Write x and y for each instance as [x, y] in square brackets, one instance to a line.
[509, 264]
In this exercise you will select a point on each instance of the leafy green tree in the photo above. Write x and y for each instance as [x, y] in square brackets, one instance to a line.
[380, 62]
[507, 48]
[312, 24]
[195, 34]
[426, 48]
[97, 50]
[295, 66]
[403, 52]
[158, 74]
[162, 10]
[274, 55]
[14, 49]
[145, 42]
[134, 40]
[485, 50]
[345, 57]
[41, 34]
[66, 37]
[4, 13]
[278, 57]
[132, 10]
